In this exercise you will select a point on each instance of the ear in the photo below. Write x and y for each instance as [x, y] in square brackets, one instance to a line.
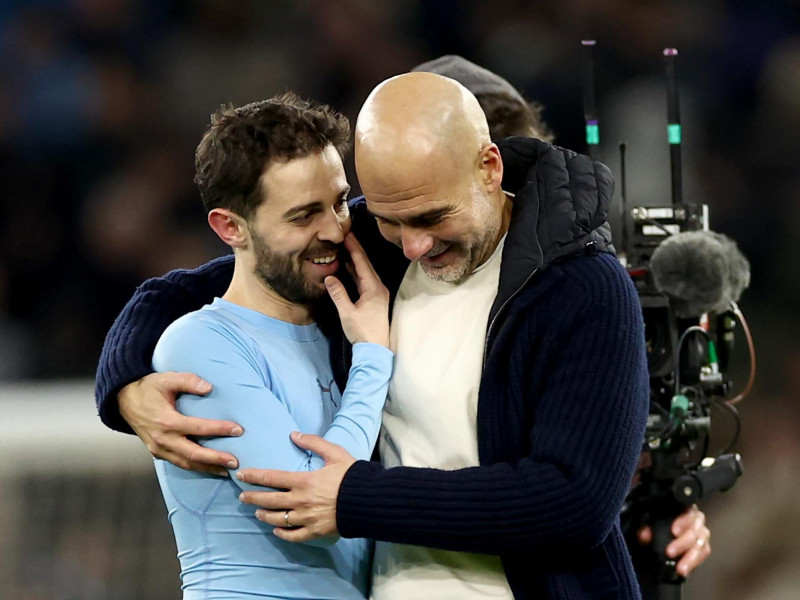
[491, 167]
[229, 226]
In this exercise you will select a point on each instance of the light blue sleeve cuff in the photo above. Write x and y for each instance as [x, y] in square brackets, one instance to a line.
[376, 355]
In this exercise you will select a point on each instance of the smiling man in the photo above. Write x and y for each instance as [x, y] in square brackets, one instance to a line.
[271, 178]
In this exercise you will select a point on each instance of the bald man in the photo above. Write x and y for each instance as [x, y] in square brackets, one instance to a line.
[419, 176]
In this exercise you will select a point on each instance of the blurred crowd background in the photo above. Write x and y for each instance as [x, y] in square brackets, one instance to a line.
[102, 103]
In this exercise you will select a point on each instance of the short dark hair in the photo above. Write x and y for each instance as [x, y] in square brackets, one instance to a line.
[241, 141]
[508, 116]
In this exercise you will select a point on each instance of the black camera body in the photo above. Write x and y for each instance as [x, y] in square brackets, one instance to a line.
[687, 363]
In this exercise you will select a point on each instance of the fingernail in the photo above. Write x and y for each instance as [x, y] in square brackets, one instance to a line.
[670, 551]
[328, 282]
[260, 514]
[232, 464]
[239, 476]
[296, 435]
[241, 497]
[237, 430]
[204, 386]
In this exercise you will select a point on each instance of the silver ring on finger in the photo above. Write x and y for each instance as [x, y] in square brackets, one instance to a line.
[286, 520]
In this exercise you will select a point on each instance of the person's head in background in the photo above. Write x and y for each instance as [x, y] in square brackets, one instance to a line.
[507, 112]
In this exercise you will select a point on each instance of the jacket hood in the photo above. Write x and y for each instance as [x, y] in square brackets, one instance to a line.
[561, 202]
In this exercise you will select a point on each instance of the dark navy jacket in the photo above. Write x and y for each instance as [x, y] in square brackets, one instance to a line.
[562, 402]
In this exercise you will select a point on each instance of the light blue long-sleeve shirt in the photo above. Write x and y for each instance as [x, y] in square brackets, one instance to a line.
[272, 378]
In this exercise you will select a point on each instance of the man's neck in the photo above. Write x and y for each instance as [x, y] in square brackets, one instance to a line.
[247, 290]
[505, 223]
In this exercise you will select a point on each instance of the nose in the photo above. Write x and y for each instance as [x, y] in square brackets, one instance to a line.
[334, 227]
[416, 243]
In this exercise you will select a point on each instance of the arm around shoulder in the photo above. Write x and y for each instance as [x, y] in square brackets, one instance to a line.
[128, 348]
[245, 391]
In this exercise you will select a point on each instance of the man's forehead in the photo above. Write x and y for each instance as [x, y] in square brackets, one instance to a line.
[406, 208]
[410, 186]
[304, 179]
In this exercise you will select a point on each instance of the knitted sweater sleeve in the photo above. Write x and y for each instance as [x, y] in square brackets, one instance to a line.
[586, 388]
[128, 348]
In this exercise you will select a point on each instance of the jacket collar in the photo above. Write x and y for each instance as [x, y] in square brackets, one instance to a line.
[561, 201]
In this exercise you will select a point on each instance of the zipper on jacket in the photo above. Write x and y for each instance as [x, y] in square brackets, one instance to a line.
[499, 312]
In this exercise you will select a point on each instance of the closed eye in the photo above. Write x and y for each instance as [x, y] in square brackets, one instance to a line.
[303, 218]
[423, 221]
[426, 221]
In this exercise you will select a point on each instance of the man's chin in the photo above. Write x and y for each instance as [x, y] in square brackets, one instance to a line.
[454, 273]
[316, 289]
[310, 293]
[319, 291]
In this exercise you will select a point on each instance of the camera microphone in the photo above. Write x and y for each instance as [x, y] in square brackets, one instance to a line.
[700, 271]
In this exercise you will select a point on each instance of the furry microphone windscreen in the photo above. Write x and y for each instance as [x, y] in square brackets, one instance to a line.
[700, 271]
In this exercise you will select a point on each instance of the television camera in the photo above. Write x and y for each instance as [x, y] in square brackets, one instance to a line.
[688, 280]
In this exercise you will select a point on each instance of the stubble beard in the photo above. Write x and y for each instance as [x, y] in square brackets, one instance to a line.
[470, 253]
[453, 273]
[283, 275]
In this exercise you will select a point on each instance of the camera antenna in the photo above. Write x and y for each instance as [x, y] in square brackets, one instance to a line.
[623, 209]
[673, 125]
[589, 108]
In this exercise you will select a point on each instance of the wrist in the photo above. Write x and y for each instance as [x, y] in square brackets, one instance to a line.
[379, 339]
[366, 348]
[122, 398]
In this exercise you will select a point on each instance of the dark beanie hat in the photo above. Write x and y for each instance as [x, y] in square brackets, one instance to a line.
[473, 77]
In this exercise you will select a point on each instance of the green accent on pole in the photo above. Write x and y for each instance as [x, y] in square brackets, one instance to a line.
[674, 133]
[679, 402]
[592, 135]
[712, 353]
